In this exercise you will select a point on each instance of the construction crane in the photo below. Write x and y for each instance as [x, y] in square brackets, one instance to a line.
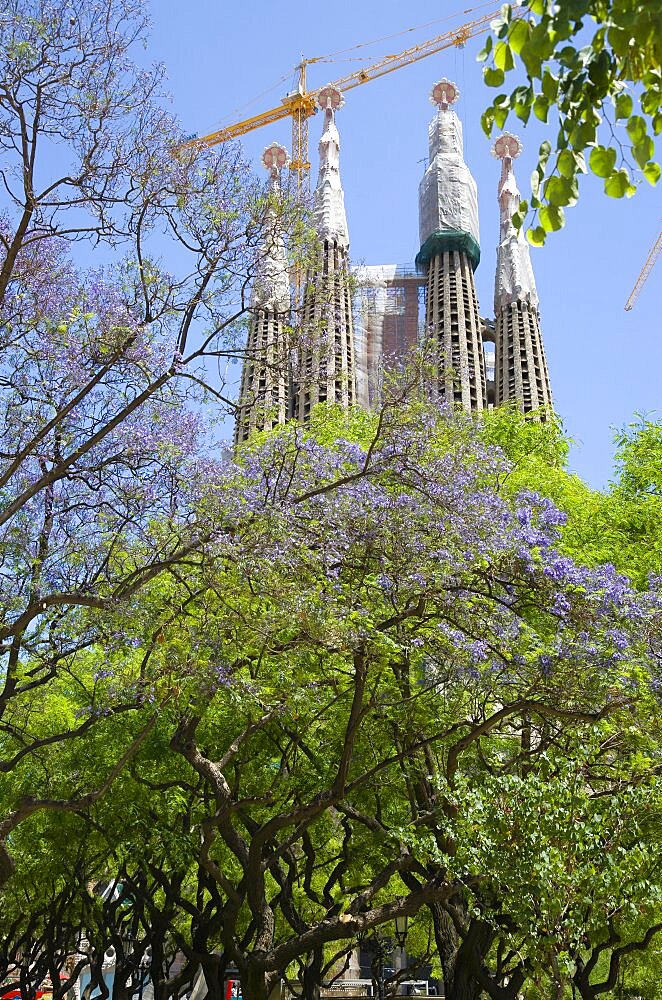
[301, 104]
[655, 251]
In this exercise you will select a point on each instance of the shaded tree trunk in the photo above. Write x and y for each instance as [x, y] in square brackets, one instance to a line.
[461, 957]
[256, 983]
[312, 975]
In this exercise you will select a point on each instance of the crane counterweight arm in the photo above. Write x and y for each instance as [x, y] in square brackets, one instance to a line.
[240, 128]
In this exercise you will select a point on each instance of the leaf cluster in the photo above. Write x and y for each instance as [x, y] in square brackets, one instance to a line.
[596, 67]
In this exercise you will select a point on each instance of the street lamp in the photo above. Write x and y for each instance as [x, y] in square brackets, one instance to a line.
[401, 926]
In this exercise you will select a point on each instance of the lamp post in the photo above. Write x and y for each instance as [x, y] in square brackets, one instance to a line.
[380, 946]
[401, 927]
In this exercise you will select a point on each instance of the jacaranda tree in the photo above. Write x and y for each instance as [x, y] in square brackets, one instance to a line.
[394, 695]
[100, 453]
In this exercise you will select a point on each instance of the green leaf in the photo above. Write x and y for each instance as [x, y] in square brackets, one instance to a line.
[541, 43]
[518, 35]
[600, 69]
[503, 57]
[581, 162]
[493, 77]
[532, 63]
[550, 85]
[636, 129]
[576, 9]
[536, 237]
[523, 110]
[500, 116]
[485, 51]
[623, 106]
[544, 152]
[582, 135]
[651, 100]
[487, 121]
[570, 57]
[619, 39]
[552, 218]
[561, 191]
[602, 160]
[618, 184]
[657, 123]
[541, 107]
[566, 163]
[555, 192]
[652, 173]
[644, 151]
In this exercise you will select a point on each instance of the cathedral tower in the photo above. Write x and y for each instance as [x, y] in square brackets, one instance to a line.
[520, 368]
[449, 254]
[326, 370]
[264, 398]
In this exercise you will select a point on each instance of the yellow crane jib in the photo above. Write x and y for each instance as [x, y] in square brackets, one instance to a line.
[300, 105]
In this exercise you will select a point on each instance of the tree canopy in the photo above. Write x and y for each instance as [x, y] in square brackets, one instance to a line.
[387, 690]
[252, 708]
[102, 370]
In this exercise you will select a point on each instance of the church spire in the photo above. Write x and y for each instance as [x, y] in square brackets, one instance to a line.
[520, 365]
[271, 287]
[263, 402]
[514, 275]
[326, 369]
[329, 198]
[449, 254]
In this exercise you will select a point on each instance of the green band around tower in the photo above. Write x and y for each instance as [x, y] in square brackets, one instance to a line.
[443, 240]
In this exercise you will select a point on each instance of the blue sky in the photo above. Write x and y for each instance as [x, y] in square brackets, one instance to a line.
[604, 362]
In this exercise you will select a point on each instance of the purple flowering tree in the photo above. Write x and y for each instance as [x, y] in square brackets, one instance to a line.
[106, 362]
[394, 689]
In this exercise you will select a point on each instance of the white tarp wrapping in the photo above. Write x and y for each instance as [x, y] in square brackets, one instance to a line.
[447, 195]
[329, 199]
[514, 275]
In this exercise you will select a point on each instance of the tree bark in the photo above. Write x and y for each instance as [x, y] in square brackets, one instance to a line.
[256, 983]
[312, 975]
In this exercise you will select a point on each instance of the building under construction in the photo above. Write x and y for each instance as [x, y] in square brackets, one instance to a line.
[352, 328]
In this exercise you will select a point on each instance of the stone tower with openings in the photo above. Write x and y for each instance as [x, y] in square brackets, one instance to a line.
[326, 368]
[264, 398]
[449, 253]
[521, 373]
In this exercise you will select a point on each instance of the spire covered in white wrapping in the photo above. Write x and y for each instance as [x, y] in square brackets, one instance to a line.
[449, 254]
[271, 287]
[447, 194]
[514, 274]
[329, 199]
